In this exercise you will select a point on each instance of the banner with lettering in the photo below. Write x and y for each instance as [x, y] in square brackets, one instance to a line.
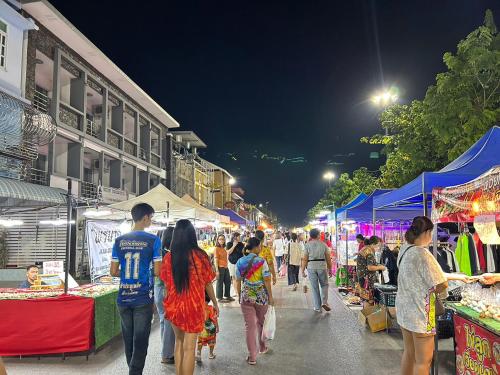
[462, 203]
[101, 237]
[477, 350]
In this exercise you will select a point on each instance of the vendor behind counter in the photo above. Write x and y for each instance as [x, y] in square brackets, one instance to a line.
[31, 276]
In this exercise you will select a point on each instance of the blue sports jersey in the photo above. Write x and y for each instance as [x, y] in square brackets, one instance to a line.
[136, 251]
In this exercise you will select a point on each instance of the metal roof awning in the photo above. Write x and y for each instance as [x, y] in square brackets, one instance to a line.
[17, 194]
[190, 137]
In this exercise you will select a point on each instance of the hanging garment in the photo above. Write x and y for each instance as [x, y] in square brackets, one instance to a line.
[451, 260]
[490, 259]
[456, 267]
[496, 254]
[480, 252]
[474, 262]
[442, 259]
[463, 255]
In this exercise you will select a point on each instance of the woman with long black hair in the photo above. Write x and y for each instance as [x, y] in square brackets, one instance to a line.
[187, 274]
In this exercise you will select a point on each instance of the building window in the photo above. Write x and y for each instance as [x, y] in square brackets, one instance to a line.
[3, 45]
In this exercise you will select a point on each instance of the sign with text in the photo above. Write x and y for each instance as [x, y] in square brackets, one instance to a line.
[54, 267]
[477, 350]
[101, 237]
[486, 228]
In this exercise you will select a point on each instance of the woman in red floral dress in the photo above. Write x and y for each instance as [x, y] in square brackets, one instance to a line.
[187, 274]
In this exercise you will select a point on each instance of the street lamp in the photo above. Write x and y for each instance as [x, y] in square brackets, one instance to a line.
[329, 176]
[232, 181]
[384, 99]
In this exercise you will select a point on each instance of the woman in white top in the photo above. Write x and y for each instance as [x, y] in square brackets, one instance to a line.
[420, 281]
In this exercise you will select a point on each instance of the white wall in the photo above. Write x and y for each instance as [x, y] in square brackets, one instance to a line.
[11, 77]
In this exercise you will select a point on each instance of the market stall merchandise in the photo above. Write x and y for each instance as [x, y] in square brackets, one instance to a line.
[477, 315]
[84, 319]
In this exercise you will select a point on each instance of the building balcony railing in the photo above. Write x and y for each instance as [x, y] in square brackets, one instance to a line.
[89, 190]
[41, 100]
[93, 129]
[113, 195]
[155, 160]
[130, 148]
[38, 177]
[114, 140]
[142, 154]
[70, 117]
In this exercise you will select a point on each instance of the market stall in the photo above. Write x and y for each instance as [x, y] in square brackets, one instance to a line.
[83, 320]
[477, 315]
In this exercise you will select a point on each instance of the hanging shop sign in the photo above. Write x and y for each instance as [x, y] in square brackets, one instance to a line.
[462, 203]
[101, 237]
[477, 350]
[486, 228]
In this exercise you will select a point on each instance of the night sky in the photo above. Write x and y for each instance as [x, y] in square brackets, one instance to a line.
[261, 80]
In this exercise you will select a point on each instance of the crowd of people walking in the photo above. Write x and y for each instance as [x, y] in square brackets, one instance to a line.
[177, 276]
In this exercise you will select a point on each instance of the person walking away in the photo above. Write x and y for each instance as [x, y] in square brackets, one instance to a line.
[253, 283]
[167, 335]
[187, 274]
[294, 259]
[302, 243]
[389, 260]
[235, 252]
[279, 250]
[222, 271]
[317, 261]
[134, 256]
[266, 253]
[367, 268]
[208, 336]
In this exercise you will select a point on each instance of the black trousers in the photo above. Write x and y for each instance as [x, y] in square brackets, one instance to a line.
[293, 274]
[224, 283]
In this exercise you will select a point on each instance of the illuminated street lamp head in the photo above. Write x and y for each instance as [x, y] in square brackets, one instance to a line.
[329, 176]
[385, 98]
[232, 181]
[261, 205]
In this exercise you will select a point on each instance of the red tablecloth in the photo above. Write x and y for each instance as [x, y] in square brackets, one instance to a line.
[62, 324]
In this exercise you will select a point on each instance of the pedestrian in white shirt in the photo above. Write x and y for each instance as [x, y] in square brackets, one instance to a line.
[279, 249]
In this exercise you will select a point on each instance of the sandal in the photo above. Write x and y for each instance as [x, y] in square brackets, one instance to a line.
[211, 356]
[252, 363]
[265, 351]
[198, 358]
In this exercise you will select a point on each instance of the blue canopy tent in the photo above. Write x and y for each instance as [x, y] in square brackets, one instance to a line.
[233, 216]
[360, 198]
[479, 158]
[363, 212]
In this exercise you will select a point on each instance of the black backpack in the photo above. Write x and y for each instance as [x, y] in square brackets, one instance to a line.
[237, 253]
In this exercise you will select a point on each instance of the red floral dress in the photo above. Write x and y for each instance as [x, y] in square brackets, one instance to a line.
[187, 309]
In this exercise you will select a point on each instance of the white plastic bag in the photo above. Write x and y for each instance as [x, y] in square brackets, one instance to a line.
[269, 328]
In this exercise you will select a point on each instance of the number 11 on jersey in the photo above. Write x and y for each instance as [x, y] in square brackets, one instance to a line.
[136, 257]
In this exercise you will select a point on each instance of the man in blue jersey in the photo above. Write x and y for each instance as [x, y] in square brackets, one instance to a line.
[136, 259]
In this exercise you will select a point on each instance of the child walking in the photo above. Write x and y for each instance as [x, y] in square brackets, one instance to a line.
[209, 334]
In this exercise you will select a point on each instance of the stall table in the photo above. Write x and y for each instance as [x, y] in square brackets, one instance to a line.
[477, 342]
[58, 324]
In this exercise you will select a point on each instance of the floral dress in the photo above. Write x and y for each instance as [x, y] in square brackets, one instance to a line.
[366, 278]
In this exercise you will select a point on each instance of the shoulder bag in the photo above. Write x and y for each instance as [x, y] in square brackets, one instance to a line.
[439, 306]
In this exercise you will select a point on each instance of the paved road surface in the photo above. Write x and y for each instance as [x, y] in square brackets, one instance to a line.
[306, 343]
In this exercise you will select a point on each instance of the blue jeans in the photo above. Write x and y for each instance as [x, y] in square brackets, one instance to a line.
[279, 259]
[136, 326]
[166, 331]
[318, 280]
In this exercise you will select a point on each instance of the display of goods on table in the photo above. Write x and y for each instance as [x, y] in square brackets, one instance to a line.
[485, 301]
[90, 290]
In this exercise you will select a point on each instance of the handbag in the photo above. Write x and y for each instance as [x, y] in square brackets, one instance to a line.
[439, 308]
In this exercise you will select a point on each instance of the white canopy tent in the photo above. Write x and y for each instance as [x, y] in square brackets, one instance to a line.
[204, 213]
[168, 206]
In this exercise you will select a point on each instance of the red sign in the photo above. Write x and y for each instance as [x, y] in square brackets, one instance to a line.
[477, 351]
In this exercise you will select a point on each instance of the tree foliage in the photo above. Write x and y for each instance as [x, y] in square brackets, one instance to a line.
[425, 135]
